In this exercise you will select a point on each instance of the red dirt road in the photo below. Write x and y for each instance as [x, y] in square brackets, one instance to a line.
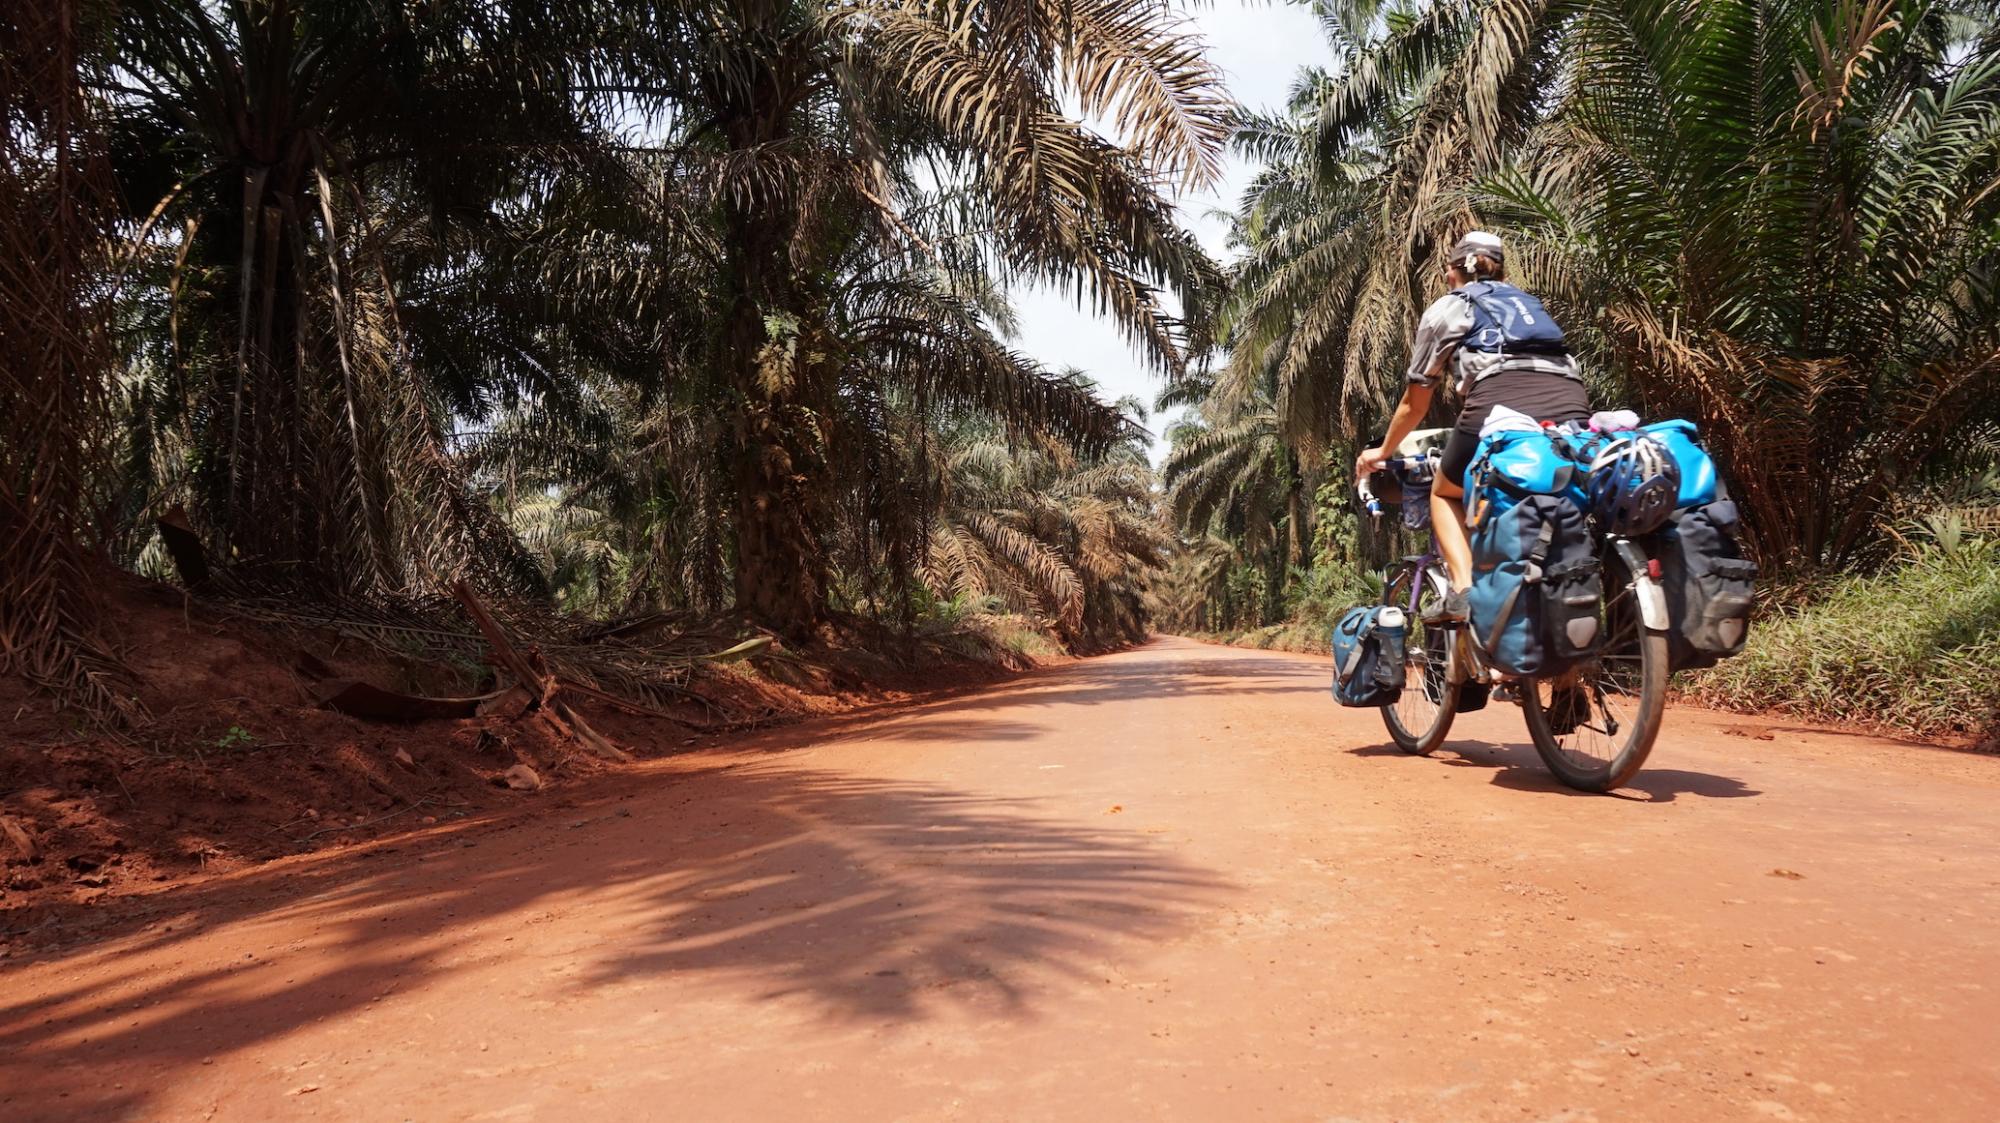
[1176, 883]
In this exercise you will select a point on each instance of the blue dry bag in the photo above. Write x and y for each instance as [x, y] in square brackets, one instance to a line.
[1516, 462]
[1697, 468]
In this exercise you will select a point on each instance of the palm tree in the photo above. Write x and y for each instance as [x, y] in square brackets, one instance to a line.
[623, 491]
[54, 214]
[809, 120]
[1070, 539]
[1197, 590]
[289, 163]
[1232, 476]
[1782, 219]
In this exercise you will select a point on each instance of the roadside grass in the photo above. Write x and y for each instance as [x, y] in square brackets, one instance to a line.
[1914, 647]
[1306, 638]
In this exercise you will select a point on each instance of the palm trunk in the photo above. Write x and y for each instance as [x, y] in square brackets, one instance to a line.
[780, 568]
[781, 565]
[264, 503]
[781, 571]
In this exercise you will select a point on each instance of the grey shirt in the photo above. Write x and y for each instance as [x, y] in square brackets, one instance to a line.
[1445, 324]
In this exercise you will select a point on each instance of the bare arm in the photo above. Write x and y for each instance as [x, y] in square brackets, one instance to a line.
[1441, 329]
[1409, 414]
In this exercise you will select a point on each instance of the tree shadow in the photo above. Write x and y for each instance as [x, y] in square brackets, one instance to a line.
[1052, 688]
[868, 900]
[1109, 680]
[1520, 768]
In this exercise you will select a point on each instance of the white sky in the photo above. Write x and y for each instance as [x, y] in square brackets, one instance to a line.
[1259, 47]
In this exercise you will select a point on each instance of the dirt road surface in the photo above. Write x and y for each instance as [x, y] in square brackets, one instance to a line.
[1175, 883]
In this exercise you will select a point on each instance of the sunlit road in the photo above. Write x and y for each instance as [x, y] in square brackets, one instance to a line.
[1175, 883]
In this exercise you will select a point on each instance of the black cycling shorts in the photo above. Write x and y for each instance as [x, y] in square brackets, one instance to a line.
[1544, 397]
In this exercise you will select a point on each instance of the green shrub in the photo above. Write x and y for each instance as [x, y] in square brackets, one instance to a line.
[1915, 647]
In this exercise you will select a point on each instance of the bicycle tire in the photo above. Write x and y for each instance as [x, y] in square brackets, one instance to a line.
[1426, 666]
[1629, 641]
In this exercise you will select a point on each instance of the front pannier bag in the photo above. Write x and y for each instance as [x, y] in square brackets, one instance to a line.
[1368, 656]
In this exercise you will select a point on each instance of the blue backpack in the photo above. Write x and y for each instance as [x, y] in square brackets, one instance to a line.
[1537, 593]
[1509, 321]
[1368, 656]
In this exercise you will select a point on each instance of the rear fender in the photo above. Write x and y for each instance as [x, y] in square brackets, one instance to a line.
[1652, 597]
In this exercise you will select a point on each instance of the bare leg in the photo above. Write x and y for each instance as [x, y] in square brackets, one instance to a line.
[1448, 531]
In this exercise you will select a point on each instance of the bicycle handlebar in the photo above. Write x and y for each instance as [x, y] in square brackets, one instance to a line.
[1411, 464]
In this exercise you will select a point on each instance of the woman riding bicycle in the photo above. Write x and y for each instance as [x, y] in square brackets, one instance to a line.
[1505, 350]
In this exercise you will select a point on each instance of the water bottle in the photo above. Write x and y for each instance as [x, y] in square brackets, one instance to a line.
[1391, 631]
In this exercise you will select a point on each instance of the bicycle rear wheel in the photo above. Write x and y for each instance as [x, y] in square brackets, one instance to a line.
[1419, 719]
[1595, 725]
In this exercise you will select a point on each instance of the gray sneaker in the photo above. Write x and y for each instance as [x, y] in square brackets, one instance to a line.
[1452, 611]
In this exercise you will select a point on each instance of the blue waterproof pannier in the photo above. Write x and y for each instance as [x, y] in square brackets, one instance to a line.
[1698, 487]
[1537, 593]
[1368, 656]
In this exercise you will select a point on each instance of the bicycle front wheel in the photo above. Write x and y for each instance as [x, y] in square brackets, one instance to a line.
[1595, 725]
[1419, 719]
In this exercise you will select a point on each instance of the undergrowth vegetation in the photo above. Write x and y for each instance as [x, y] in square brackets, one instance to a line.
[1915, 646]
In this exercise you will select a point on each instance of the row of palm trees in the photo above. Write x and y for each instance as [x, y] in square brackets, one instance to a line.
[642, 304]
[1779, 219]
[632, 303]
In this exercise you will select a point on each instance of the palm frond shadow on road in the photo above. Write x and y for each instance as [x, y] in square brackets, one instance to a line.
[864, 900]
[1138, 681]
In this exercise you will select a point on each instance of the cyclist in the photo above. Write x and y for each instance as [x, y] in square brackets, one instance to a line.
[1504, 350]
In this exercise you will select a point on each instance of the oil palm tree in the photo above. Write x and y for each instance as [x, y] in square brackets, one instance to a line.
[55, 210]
[285, 160]
[1070, 539]
[1782, 218]
[1232, 476]
[807, 120]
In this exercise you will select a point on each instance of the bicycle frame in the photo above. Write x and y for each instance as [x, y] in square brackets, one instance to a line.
[1462, 650]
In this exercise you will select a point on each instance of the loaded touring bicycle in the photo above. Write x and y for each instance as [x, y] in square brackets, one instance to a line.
[1581, 606]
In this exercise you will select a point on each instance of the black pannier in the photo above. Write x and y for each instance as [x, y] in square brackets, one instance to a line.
[1710, 585]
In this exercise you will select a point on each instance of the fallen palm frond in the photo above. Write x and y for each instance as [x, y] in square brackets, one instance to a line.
[651, 671]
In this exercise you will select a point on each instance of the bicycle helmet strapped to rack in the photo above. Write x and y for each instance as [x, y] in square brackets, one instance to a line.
[1634, 484]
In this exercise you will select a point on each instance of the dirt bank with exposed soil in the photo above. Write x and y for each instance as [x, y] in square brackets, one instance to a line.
[240, 763]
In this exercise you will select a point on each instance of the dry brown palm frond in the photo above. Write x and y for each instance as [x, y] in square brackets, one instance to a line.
[54, 384]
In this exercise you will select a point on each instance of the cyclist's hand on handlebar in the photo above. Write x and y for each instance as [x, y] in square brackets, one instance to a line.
[1370, 460]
